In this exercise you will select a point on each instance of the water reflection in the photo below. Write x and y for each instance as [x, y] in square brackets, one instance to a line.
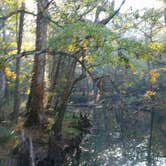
[126, 138]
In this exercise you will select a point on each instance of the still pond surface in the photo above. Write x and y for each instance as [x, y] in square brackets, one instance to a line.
[125, 138]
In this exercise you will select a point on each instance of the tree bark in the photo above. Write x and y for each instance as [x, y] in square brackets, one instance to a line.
[18, 62]
[165, 11]
[55, 71]
[35, 102]
[2, 76]
[61, 106]
[149, 157]
[2, 84]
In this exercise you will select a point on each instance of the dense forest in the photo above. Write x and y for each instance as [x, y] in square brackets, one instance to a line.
[82, 83]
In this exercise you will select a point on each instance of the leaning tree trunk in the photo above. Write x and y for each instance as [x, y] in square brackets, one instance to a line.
[35, 102]
[63, 85]
[19, 44]
[55, 151]
[62, 104]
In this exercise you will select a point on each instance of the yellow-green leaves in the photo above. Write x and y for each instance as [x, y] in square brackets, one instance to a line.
[158, 47]
[154, 74]
[72, 47]
[9, 73]
[149, 94]
[90, 59]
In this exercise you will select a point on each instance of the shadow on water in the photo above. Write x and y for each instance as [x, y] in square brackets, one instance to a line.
[125, 138]
[118, 137]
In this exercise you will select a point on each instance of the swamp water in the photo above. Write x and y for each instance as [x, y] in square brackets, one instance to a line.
[125, 138]
[119, 138]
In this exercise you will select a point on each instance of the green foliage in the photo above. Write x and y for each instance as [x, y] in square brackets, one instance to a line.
[70, 132]
[6, 135]
[70, 125]
[77, 32]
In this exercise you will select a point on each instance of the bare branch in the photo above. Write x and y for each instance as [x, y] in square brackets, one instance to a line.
[48, 4]
[111, 16]
[23, 54]
[73, 55]
[88, 11]
[77, 58]
[16, 12]
[30, 13]
[98, 11]
[81, 77]
[10, 14]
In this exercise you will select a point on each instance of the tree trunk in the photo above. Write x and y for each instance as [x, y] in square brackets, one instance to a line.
[165, 11]
[18, 61]
[55, 71]
[61, 107]
[2, 76]
[2, 84]
[35, 101]
[149, 157]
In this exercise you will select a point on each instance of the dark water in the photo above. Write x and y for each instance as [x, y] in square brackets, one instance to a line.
[120, 138]
[125, 138]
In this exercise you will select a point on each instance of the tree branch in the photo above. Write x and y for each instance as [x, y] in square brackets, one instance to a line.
[16, 12]
[30, 13]
[73, 55]
[23, 54]
[10, 14]
[98, 11]
[81, 77]
[111, 16]
[48, 4]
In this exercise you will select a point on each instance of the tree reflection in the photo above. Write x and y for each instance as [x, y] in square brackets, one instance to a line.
[125, 138]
